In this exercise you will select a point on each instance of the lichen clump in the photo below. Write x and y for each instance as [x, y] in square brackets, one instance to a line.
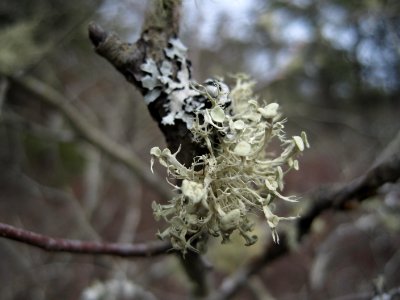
[236, 177]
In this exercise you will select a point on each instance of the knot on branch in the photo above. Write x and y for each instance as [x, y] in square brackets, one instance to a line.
[122, 55]
[97, 34]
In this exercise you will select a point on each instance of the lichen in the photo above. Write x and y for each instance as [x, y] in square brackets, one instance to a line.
[181, 97]
[237, 176]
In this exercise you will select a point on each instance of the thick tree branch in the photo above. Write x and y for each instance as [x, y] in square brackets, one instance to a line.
[75, 246]
[160, 27]
[160, 30]
[338, 198]
[92, 134]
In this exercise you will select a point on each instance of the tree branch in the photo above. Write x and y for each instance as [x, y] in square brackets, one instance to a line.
[337, 198]
[160, 27]
[358, 190]
[83, 247]
[232, 284]
[160, 30]
[92, 134]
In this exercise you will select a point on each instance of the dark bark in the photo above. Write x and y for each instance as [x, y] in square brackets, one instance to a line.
[160, 26]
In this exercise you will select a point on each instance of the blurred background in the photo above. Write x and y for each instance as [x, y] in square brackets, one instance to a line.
[333, 65]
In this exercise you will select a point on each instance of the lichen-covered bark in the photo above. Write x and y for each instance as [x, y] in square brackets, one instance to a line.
[160, 28]
[129, 59]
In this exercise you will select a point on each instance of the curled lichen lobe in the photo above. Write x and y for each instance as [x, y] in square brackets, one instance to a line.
[237, 175]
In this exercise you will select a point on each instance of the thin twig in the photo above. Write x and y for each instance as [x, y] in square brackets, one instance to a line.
[83, 247]
[92, 134]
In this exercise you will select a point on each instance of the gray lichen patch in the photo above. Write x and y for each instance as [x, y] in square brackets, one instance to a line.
[176, 84]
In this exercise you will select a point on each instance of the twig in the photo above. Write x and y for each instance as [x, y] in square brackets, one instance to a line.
[232, 284]
[357, 190]
[92, 134]
[337, 198]
[392, 294]
[83, 247]
[3, 90]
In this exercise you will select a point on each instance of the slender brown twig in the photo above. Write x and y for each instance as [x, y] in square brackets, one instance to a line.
[83, 247]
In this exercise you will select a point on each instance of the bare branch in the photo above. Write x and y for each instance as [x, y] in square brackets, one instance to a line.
[337, 198]
[232, 284]
[3, 91]
[92, 134]
[83, 247]
[392, 294]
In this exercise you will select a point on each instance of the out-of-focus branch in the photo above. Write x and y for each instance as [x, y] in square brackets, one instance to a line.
[391, 149]
[234, 283]
[76, 246]
[385, 169]
[393, 294]
[93, 135]
[336, 198]
[3, 91]
[339, 198]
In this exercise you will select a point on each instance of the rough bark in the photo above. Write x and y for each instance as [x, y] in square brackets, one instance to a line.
[161, 25]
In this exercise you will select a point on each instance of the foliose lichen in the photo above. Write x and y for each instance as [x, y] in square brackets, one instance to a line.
[182, 99]
[237, 176]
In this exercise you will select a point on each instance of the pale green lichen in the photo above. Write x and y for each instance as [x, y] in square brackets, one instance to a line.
[236, 177]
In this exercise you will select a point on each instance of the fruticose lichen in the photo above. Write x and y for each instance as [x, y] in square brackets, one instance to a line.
[237, 176]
